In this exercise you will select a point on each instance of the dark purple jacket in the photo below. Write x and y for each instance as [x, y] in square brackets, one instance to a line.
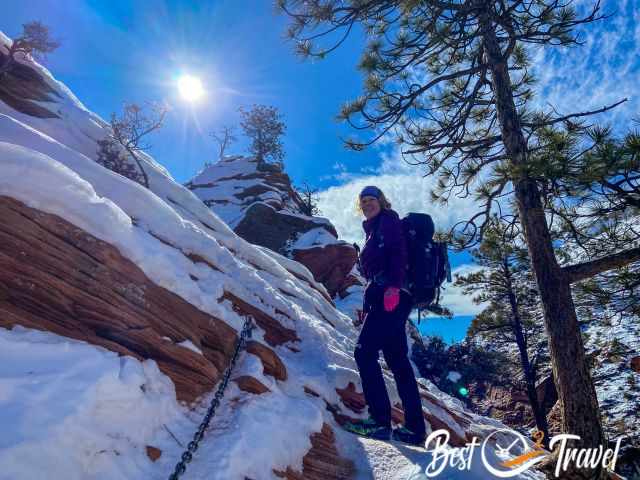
[384, 254]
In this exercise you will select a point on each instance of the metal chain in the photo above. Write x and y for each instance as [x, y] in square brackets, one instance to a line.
[187, 455]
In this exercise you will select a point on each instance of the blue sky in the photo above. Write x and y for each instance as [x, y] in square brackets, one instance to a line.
[115, 51]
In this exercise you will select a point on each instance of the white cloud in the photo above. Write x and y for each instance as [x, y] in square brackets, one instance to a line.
[454, 299]
[603, 71]
[403, 186]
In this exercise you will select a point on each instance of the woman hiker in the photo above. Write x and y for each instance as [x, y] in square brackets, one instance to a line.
[387, 305]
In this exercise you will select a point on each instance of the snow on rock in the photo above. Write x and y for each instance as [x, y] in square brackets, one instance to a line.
[93, 293]
[315, 237]
[331, 264]
[43, 183]
[330, 260]
[75, 410]
[258, 201]
[233, 184]
[189, 344]
[611, 335]
[612, 344]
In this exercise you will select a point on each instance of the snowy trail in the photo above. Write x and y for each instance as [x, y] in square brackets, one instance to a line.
[384, 460]
[396, 461]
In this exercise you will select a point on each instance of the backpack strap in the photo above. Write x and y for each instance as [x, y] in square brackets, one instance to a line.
[447, 264]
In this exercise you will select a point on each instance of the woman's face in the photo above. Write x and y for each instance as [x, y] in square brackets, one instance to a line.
[370, 206]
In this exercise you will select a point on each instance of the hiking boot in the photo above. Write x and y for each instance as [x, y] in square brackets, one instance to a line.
[368, 428]
[403, 434]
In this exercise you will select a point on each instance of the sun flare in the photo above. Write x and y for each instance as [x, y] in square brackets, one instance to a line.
[190, 88]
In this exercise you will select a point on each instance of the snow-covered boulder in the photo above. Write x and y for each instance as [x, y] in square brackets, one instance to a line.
[234, 184]
[258, 201]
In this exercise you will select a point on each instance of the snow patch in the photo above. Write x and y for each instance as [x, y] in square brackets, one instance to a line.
[189, 344]
[316, 237]
[76, 411]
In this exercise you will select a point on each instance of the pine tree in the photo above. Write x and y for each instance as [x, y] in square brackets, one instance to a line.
[593, 198]
[511, 316]
[35, 41]
[309, 198]
[450, 80]
[263, 125]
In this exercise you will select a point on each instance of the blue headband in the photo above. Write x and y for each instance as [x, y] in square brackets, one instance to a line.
[371, 191]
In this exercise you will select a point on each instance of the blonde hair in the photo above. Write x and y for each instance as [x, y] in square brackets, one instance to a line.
[384, 203]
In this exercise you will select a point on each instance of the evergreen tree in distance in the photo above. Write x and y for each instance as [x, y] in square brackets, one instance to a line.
[111, 156]
[263, 125]
[506, 284]
[35, 41]
[309, 197]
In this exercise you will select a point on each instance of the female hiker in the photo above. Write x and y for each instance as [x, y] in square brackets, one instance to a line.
[387, 305]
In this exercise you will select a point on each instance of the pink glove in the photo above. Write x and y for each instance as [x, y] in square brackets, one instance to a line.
[391, 298]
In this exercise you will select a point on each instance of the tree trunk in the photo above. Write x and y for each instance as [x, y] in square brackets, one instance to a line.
[576, 393]
[529, 372]
[144, 174]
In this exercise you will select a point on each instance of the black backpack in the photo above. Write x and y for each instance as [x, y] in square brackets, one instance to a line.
[428, 262]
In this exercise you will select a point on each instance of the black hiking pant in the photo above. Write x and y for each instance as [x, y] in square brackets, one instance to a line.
[386, 331]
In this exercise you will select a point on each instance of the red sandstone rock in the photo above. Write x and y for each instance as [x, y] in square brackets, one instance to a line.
[250, 384]
[353, 399]
[271, 363]
[56, 277]
[322, 461]
[153, 453]
[330, 264]
[275, 333]
[635, 364]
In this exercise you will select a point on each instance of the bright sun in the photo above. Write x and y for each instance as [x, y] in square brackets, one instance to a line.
[190, 88]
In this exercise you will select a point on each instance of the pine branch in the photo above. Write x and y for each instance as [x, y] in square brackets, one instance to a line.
[572, 115]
